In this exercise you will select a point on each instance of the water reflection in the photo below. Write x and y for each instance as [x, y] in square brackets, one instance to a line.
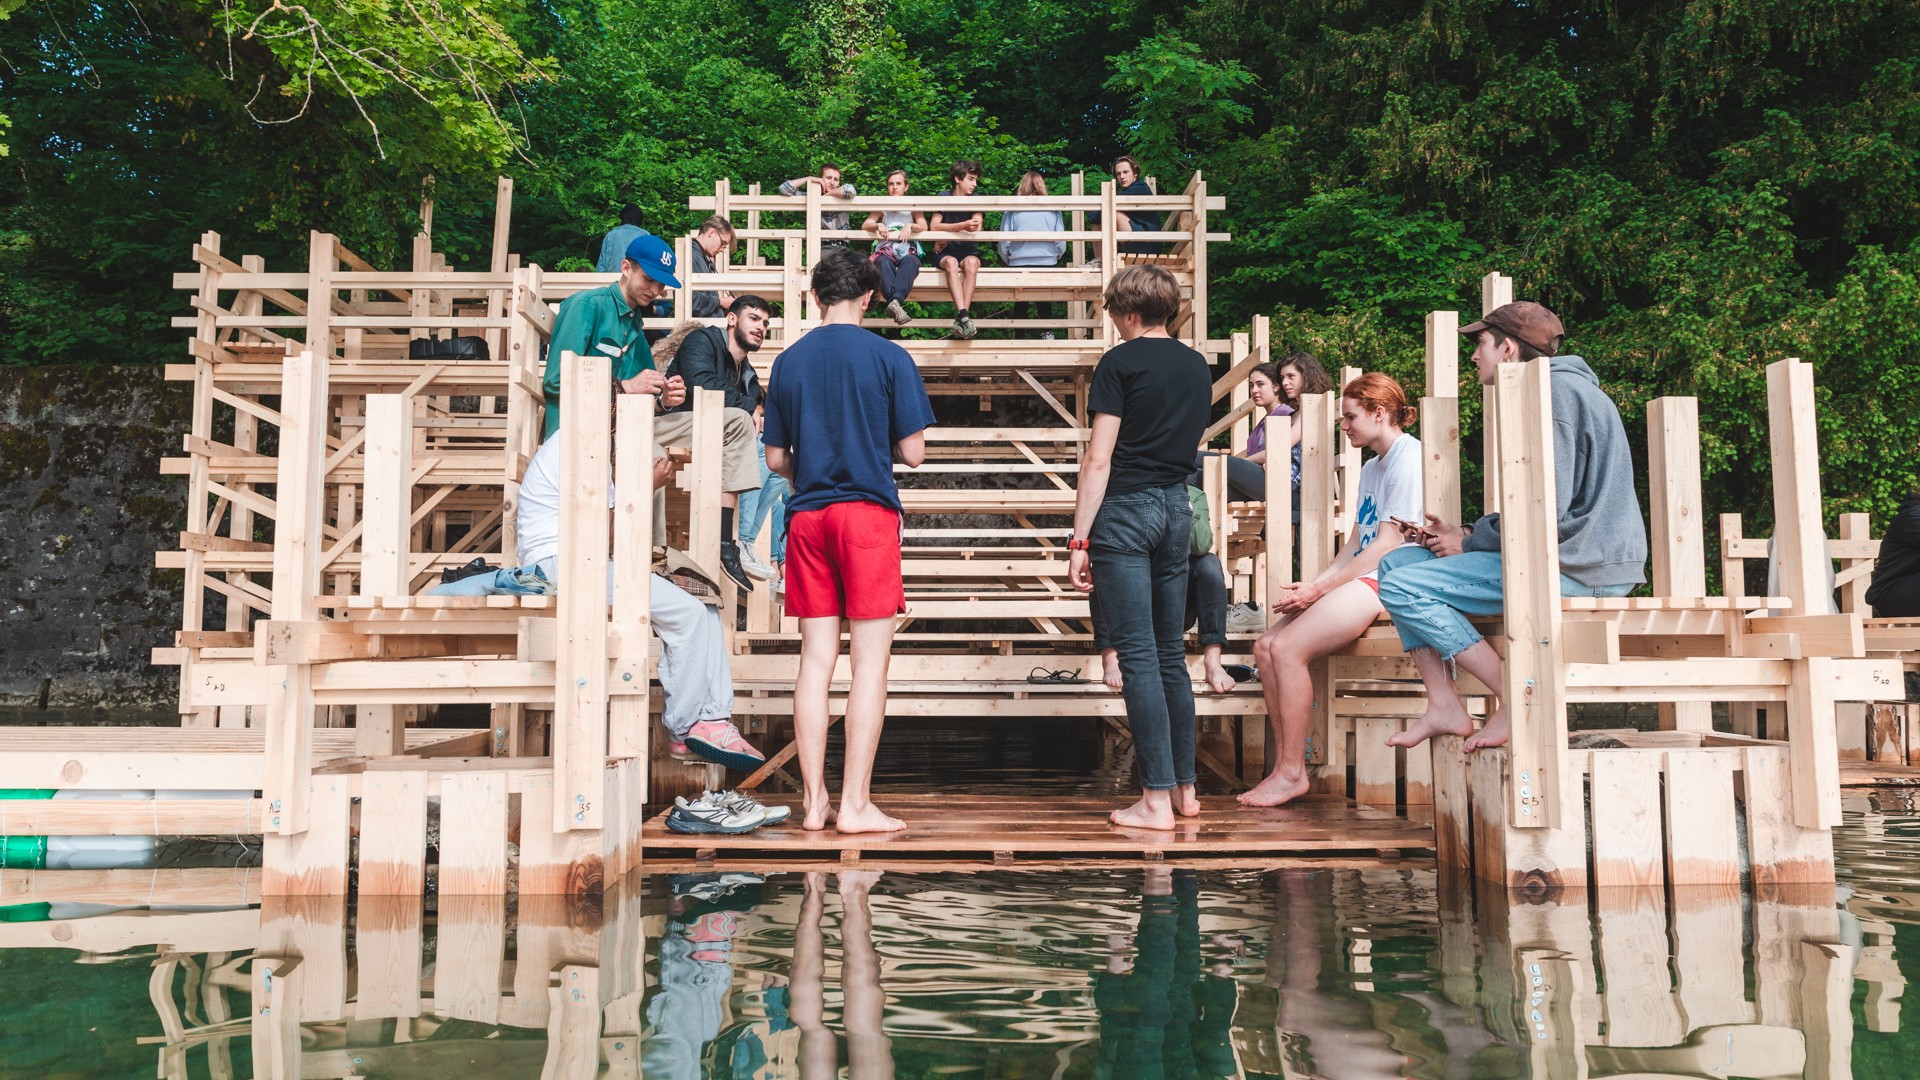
[1300, 973]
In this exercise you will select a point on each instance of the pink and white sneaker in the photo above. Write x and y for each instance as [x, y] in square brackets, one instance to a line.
[720, 742]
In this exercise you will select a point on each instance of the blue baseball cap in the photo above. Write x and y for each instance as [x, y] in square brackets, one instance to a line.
[655, 256]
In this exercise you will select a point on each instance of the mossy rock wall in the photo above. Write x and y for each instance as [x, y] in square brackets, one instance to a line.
[83, 507]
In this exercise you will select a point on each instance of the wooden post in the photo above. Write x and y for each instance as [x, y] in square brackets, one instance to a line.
[1853, 594]
[497, 263]
[1109, 261]
[1679, 541]
[296, 582]
[1535, 687]
[703, 527]
[813, 226]
[1279, 510]
[1348, 456]
[1237, 397]
[1197, 221]
[1316, 484]
[194, 598]
[386, 546]
[525, 401]
[1496, 290]
[580, 690]
[1440, 417]
[632, 577]
[322, 260]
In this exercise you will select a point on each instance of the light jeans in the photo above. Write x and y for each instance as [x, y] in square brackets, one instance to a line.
[769, 500]
[1430, 598]
[694, 673]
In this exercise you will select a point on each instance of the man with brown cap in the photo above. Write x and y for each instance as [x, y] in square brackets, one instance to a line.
[1431, 589]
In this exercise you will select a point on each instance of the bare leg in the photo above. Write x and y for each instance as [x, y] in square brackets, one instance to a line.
[1153, 811]
[1445, 714]
[971, 273]
[819, 1050]
[863, 1009]
[819, 648]
[870, 647]
[956, 283]
[1218, 680]
[1339, 617]
[1481, 662]
[1110, 669]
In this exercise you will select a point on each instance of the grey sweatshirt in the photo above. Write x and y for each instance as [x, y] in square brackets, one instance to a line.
[1603, 538]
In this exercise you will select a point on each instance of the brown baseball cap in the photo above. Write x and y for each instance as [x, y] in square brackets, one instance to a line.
[1525, 320]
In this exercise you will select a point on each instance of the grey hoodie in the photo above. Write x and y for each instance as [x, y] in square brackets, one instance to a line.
[1603, 538]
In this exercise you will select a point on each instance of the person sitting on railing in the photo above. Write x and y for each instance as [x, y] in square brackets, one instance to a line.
[720, 358]
[613, 246]
[608, 320]
[714, 238]
[695, 675]
[1895, 590]
[1326, 614]
[895, 254]
[959, 260]
[1246, 471]
[1432, 589]
[1128, 181]
[1032, 253]
[834, 221]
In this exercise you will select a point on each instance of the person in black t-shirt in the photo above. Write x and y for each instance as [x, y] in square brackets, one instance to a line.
[1895, 591]
[959, 260]
[1128, 181]
[1132, 528]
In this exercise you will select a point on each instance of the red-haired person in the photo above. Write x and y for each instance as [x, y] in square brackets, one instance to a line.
[1321, 616]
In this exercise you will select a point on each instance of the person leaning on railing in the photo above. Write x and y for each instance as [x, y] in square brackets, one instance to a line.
[1033, 254]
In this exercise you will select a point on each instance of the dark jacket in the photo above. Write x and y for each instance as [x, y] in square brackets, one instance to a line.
[1895, 591]
[703, 361]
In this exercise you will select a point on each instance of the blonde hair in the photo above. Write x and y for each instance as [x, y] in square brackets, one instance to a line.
[1032, 183]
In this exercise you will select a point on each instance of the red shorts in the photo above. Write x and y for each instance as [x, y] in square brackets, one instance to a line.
[844, 561]
[1371, 583]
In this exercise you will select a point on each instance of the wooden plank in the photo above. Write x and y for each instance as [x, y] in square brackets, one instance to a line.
[580, 687]
[1826, 994]
[1850, 730]
[387, 953]
[470, 957]
[1780, 850]
[1709, 955]
[473, 836]
[554, 860]
[393, 834]
[1279, 510]
[1813, 752]
[1452, 804]
[313, 862]
[296, 576]
[1627, 839]
[1416, 766]
[1631, 928]
[1799, 536]
[1702, 846]
[633, 531]
[1374, 762]
[1534, 860]
[1535, 689]
[1679, 544]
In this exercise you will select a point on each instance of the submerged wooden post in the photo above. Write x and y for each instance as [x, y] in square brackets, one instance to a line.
[1679, 540]
[1535, 690]
[580, 668]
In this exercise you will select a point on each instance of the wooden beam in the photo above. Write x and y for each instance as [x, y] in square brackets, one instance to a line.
[632, 577]
[1678, 510]
[580, 686]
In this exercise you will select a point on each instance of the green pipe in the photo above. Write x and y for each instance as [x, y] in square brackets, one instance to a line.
[23, 852]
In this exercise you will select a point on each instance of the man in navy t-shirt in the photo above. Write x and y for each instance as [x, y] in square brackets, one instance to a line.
[843, 404]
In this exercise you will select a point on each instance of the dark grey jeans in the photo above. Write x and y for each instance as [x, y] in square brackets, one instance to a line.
[1138, 549]
[1206, 604]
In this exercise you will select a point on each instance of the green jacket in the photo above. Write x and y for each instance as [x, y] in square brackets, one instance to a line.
[597, 320]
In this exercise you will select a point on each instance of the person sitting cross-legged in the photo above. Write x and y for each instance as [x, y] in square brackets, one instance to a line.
[1430, 591]
[1320, 616]
[695, 674]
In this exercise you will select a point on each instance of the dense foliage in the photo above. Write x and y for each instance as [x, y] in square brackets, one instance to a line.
[1698, 186]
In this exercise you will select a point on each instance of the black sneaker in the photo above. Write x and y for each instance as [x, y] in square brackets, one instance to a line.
[730, 563]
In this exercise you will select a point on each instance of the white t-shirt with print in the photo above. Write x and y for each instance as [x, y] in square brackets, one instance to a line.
[1390, 486]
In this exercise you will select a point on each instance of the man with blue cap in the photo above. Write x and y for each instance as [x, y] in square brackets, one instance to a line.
[608, 320]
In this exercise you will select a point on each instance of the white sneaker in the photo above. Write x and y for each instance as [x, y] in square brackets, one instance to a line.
[899, 313]
[750, 562]
[1246, 619]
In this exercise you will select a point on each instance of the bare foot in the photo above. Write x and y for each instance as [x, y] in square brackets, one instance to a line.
[1277, 789]
[1110, 669]
[867, 819]
[1218, 680]
[855, 882]
[1142, 815]
[815, 818]
[1435, 721]
[1495, 732]
[1185, 802]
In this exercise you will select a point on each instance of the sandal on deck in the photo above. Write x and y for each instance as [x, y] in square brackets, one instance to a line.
[1063, 677]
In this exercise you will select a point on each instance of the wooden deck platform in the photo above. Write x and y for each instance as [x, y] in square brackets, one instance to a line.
[985, 832]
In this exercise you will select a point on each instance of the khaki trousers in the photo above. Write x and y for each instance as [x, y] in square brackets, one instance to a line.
[739, 461]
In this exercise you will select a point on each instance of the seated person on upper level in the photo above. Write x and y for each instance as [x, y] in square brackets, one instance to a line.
[613, 246]
[1034, 254]
[1895, 591]
[1431, 590]
[695, 674]
[1247, 471]
[714, 238]
[895, 254]
[959, 260]
[609, 320]
[1128, 181]
[1322, 616]
[833, 221]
